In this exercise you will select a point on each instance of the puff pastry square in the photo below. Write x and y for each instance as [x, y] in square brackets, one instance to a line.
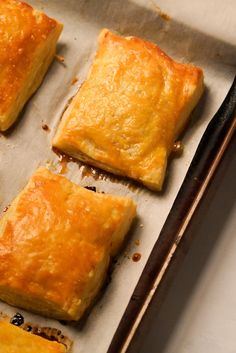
[27, 46]
[15, 340]
[130, 110]
[56, 241]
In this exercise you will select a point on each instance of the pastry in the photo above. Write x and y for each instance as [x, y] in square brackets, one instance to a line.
[130, 110]
[27, 47]
[15, 340]
[56, 241]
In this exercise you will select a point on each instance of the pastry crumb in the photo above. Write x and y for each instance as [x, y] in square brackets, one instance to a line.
[45, 127]
[165, 16]
[60, 58]
[75, 79]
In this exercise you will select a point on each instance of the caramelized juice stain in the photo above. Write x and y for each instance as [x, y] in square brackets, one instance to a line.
[61, 155]
[178, 148]
[161, 13]
[49, 333]
[88, 171]
[95, 173]
[63, 160]
[74, 81]
[98, 174]
[64, 165]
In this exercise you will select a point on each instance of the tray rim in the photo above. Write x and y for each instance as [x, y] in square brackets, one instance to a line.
[207, 157]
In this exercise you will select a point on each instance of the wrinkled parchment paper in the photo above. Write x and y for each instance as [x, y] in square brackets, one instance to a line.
[27, 145]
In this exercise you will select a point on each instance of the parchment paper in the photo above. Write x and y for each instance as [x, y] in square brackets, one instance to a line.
[27, 145]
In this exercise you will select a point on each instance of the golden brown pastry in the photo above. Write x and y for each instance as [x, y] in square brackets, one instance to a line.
[15, 340]
[128, 113]
[27, 46]
[56, 241]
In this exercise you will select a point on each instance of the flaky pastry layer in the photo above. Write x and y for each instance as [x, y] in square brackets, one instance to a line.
[27, 47]
[56, 241]
[130, 110]
[15, 340]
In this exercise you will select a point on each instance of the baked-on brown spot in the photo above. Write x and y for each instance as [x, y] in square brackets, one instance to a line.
[74, 81]
[136, 257]
[45, 127]
[178, 148]
[5, 209]
[161, 13]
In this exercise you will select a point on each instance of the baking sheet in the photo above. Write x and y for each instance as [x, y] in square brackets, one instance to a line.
[27, 145]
